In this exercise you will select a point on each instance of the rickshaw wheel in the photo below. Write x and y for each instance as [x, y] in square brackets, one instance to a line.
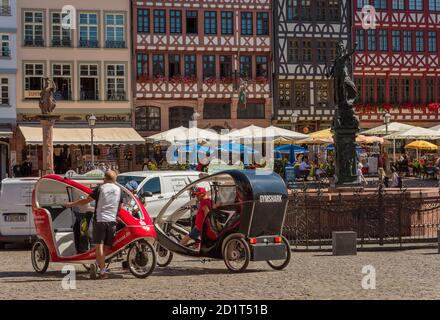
[139, 257]
[236, 253]
[163, 256]
[281, 263]
[40, 257]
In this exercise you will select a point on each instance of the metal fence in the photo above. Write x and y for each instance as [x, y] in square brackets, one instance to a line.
[380, 217]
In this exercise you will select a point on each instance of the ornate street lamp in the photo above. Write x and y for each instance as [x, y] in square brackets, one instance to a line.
[386, 121]
[294, 120]
[92, 123]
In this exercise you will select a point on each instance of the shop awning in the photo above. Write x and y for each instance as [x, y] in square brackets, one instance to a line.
[81, 135]
[5, 133]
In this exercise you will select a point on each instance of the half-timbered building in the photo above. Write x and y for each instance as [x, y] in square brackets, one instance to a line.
[397, 65]
[193, 56]
[305, 37]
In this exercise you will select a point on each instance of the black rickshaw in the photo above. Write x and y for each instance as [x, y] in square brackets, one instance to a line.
[244, 225]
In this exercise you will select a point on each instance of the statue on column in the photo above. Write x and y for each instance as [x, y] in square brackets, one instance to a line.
[345, 122]
[47, 101]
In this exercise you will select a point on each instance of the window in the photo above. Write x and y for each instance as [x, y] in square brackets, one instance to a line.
[159, 21]
[179, 116]
[417, 91]
[432, 41]
[300, 96]
[407, 41]
[380, 4]
[369, 90]
[175, 21]
[174, 65]
[247, 24]
[285, 94]
[334, 8]
[322, 93]
[190, 66]
[360, 39]
[33, 78]
[395, 37]
[89, 82]
[152, 185]
[208, 67]
[143, 20]
[262, 66]
[398, 4]
[419, 41]
[88, 30]
[359, 85]
[362, 3]
[322, 51]
[147, 118]
[430, 91]
[292, 10]
[227, 22]
[415, 4]
[217, 111]
[142, 65]
[394, 91]
[246, 67]
[210, 22]
[306, 51]
[301, 8]
[33, 28]
[383, 40]
[252, 111]
[381, 90]
[191, 22]
[333, 44]
[5, 8]
[62, 76]
[262, 23]
[293, 51]
[321, 10]
[60, 37]
[371, 40]
[4, 46]
[434, 5]
[225, 67]
[116, 82]
[158, 65]
[405, 90]
[4, 98]
[114, 31]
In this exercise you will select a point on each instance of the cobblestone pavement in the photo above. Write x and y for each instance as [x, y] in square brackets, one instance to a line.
[410, 274]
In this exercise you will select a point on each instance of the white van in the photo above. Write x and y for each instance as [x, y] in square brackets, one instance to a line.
[16, 218]
[162, 185]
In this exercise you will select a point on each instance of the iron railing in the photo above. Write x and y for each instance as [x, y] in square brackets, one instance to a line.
[116, 95]
[89, 44]
[5, 11]
[89, 95]
[61, 43]
[380, 217]
[115, 44]
[34, 42]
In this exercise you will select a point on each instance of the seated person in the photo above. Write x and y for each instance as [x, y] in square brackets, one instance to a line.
[205, 205]
[131, 206]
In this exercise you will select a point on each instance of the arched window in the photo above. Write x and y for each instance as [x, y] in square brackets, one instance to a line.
[147, 119]
[180, 116]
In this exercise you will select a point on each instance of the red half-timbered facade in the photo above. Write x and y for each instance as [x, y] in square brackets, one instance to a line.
[397, 65]
[192, 56]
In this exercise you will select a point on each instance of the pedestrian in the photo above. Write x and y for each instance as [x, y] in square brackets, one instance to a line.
[360, 176]
[26, 167]
[396, 180]
[108, 199]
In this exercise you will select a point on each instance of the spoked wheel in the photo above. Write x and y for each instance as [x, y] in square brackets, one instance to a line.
[141, 259]
[236, 254]
[164, 256]
[281, 264]
[40, 257]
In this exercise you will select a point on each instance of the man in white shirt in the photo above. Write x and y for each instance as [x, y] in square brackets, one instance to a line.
[108, 199]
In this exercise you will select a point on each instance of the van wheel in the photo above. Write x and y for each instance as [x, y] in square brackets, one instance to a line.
[40, 257]
[164, 256]
[281, 264]
[236, 253]
[141, 259]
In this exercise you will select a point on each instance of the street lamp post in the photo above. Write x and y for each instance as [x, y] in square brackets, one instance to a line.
[386, 121]
[92, 123]
[294, 120]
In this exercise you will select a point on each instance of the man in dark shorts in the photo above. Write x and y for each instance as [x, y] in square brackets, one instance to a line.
[205, 205]
[108, 199]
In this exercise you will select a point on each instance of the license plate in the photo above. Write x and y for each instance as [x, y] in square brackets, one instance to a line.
[16, 218]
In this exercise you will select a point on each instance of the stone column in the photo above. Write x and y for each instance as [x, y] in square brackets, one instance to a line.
[47, 123]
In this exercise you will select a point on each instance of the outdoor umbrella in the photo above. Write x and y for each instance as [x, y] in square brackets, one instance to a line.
[170, 135]
[421, 145]
[291, 149]
[237, 148]
[319, 137]
[369, 139]
[382, 130]
[413, 133]
[435, 128]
